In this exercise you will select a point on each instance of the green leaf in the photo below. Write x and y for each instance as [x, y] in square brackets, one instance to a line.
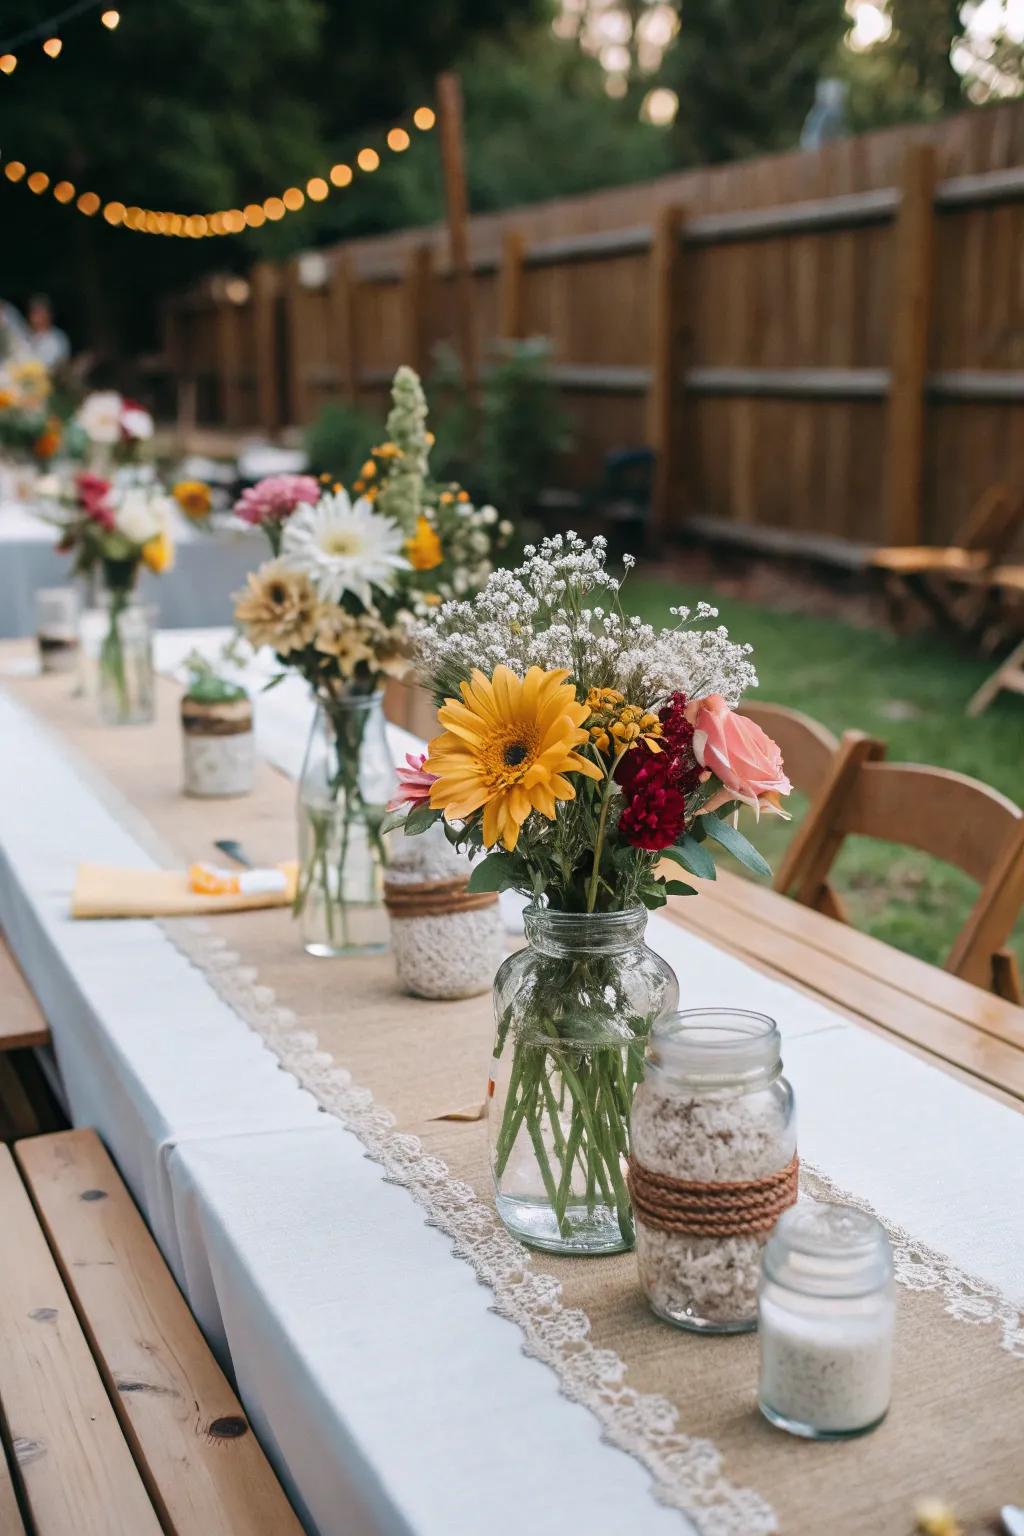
[693, 857]
[679, 888]
[393, 819]
[419, 819]
[733, 841]
[653, 896]
[495, 873]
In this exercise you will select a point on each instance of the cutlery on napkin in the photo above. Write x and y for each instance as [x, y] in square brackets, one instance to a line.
[103, 891]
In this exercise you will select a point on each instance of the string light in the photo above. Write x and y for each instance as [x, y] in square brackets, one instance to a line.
[226, 221]
[48, 33]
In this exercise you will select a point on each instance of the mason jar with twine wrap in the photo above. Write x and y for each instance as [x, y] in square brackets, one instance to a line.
[447, 941]
[713, 1164]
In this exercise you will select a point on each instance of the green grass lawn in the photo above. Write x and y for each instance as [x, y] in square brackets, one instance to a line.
[911, 692]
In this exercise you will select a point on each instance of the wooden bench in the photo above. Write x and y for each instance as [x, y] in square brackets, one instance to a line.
[22, 1027]
[116, 1419]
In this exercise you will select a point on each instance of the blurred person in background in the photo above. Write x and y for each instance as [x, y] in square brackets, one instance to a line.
[48, 344]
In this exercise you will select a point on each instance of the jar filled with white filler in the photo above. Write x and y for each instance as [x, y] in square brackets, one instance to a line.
[826, 1317]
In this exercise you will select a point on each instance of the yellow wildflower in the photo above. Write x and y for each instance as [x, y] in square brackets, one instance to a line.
[616, 726]
[462, 496]
[423, 551]
[368, 470]
[934, 1518]
[158, 554]
[446, 498]
[193, 497]
[6, 399]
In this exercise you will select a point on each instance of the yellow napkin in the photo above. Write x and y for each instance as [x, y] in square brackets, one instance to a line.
[103, 891]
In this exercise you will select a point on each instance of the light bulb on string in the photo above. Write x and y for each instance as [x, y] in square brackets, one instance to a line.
[367, 160]
[317, 189]
[398, 140]
[88, 204]
[110, 19]
[341, 175]
[8, 63]
[64, 191]
[424, 118]
[52, 47]
[14, 170]
[38, 182]
[254, 215]
[274, 208]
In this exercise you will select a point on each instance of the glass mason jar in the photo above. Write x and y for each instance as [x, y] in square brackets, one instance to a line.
[573, 1012]
[347, 779]
[713, 1111]
[57, 628]
[125, 689]
[826, 1317]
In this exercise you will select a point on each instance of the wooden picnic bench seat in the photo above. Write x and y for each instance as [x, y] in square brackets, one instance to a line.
[949, 582]
[116, 1419]
[22, 1028]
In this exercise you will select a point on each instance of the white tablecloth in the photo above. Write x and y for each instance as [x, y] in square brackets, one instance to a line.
[208, 568]
[390, 1397]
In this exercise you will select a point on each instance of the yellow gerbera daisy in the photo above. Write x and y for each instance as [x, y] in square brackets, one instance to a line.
[193, 497]
[507, 748]
[158, 554]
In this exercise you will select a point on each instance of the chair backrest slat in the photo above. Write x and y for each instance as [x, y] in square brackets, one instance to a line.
[993, 522]
[946, 814]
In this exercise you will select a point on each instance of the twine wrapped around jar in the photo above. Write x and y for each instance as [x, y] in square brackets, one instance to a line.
[218, 746]
[448, 941]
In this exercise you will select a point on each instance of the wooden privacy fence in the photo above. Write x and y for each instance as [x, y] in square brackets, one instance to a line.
[826, 345]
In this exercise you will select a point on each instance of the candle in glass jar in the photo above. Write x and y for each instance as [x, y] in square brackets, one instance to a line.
[826, 1313]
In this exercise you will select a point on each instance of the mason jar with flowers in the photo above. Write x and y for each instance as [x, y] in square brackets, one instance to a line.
[114, 531]
[335, 605]
[581, 748]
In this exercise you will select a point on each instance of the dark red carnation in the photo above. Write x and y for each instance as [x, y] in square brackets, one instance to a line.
[656, 784]
[93, 493]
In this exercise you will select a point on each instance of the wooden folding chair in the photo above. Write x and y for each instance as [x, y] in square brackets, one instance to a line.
[820, 766]
[945, 814]
[1008, 675]
[935, 577]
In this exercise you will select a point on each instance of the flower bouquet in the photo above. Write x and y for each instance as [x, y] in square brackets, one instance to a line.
[32, 432]
[335, 603]
[113, 531]
[114, 426]
[580, 749]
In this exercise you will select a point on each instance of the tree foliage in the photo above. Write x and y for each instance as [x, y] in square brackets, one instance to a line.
[745, 72]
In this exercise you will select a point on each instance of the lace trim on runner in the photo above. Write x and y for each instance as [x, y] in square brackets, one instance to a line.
[920, 1268]
[687, 1473]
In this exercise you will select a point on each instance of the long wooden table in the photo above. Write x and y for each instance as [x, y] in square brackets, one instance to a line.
[971, 1033]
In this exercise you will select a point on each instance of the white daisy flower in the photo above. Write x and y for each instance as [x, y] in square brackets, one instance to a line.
[141, 514]
[99, 416]
[344, 547]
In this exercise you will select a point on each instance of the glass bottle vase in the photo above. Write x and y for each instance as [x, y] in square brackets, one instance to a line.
[347, 779]
[125, 691]
[573, 1012]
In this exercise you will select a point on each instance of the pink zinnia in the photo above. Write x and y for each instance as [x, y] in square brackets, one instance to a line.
[275, 498]
[413, 783]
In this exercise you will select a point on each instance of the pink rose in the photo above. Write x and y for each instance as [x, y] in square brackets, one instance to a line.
[413, 783]
[736, 751]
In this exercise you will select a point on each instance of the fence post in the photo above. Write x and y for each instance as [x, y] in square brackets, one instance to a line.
[296, 408]
[668, 342]
[227, 360]
[511, 318]
[417, 295]
[341, 297]
[264, 324]
[912, 293]
[453, 165]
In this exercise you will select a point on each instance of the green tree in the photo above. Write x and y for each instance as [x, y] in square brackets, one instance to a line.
[745, 72]
[195, 105]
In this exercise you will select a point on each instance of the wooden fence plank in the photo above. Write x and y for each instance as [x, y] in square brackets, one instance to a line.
[511, 322]
[263, 279]
[76, 1472]
[453, 162]
[668, 343]
[202, 1464]
[912, 291]
[341, 307]
[417, 297]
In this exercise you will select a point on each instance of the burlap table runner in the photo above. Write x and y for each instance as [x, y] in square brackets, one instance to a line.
[956, 1428]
